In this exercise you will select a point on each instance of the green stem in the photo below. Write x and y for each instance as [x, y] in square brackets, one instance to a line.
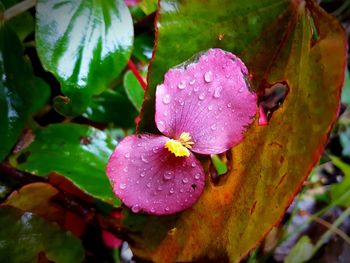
[18, 9]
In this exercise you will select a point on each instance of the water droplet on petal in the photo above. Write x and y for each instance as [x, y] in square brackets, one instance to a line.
[197, 176]
[210, 107]
[213, 127]
[217, 92]
[208, 76]
[193, 164]
[167, 209]
[125, 169]
[161, 126]
[185, 180]
[196, 88]
[181, 190]
[192, 81]
[201, 96]
[144, 158]
[181, 85]
[148, 185]
[181, 101]
[168, 175]
[155, 149]
[166, 99]
[165, 113]
[122, 186]
[153, 210]
[160, 188]
[135, 208]
[172, 191]
[127, 155]
[240, 90]
[229, 105]
[143, 174]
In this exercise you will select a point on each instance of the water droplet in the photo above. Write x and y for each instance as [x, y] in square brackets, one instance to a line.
[155, 149]
[213, 127]
[127, 155]
[143, 174]
[153, 210]
[139, 144]
[168, 175]
[192, 81]
[240, 90]
[165, 113]
[148, 185]
[167, 209]
[181, 85]
[193, 164]
[181, 101]
[181, 190]
[196, 88]
[228, 76]
[125, 169]
[220, 108]
[137, 182]
[166, 99]
[210, 107]
[135, 208]
[229, 105]
[217, 92]
[172, 190]
[185, 180]
[161, 126]
[201, 96]
[144, 158]
[122, 186]
[197, 176]
[208, 76]
[160, 188]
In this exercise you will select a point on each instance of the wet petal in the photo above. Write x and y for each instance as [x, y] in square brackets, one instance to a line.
[149, 178]
[209, 99]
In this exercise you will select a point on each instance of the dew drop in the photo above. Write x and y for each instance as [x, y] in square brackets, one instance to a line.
[172, 191]
[122, 186]
[240, 90]
[161, 126]
[127, 155]
[143, 174]
[153, 210]
[148, 185]
[192, 81]
[210, 107]
[144, 158]
[185, 180]
[201, 96]
[135, 208]
[196, 88]
[197, 176]
[125, 169]
[168, 175]
[167, 209]
[181, 85]
[166, 99]
[139, 144]
[213, 127]
[155, 149]
[181, 190]
[160, 188]
[181, 101]
[208, 76]
[229, 105]
[165, 113]
[193, 164]
[227, 76]
[217, 92]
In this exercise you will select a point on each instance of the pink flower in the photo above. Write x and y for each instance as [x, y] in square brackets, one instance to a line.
[201, 108]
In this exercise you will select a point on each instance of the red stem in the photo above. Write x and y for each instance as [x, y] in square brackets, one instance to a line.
[133, 68]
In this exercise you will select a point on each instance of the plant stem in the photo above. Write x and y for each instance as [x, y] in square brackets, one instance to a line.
[132, 67]
[18, 9]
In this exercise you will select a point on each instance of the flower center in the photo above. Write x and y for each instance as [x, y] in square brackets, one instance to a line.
[180, 147]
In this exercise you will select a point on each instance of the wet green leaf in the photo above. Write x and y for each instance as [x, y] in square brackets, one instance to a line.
[78, 152]
[301, 252]
[85, 44]
[339, 189]
[26, 235]
[292, 42]
[148, 6]
[133, 89]
[21, 93]
[143, 47]
[112, 106]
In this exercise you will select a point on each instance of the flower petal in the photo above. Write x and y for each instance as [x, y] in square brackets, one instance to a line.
[149, 178]
[209, 99]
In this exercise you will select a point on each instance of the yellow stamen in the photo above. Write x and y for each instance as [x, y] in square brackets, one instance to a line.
[180, 147]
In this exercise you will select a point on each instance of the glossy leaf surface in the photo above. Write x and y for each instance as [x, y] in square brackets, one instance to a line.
[27, 235]
[19, 97]
[78, 152]
[339, 189]
[133, 89]
[85, 44]
[277, 42]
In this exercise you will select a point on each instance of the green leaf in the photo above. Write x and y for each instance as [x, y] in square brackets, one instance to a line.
[134, 90]
[112, 106]
[143, 47]
[85, 44]
[345, 98]
[337, 190]
[148, 6]
[21, 93]
[277, 40]
[26, 235]
[78, 152]
[301, 252]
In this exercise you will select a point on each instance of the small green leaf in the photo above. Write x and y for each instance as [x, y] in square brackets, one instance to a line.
[345, 97]
[220, 166]
[148, 6]
[112, 107]
[26, 235]
[337, 190]
[78, 152]
[133, 89]
[21, 93]
[143, 47]
[85, 44]
[301, 252]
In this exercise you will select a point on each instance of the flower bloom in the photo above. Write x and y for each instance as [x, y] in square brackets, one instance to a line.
[204, 108]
